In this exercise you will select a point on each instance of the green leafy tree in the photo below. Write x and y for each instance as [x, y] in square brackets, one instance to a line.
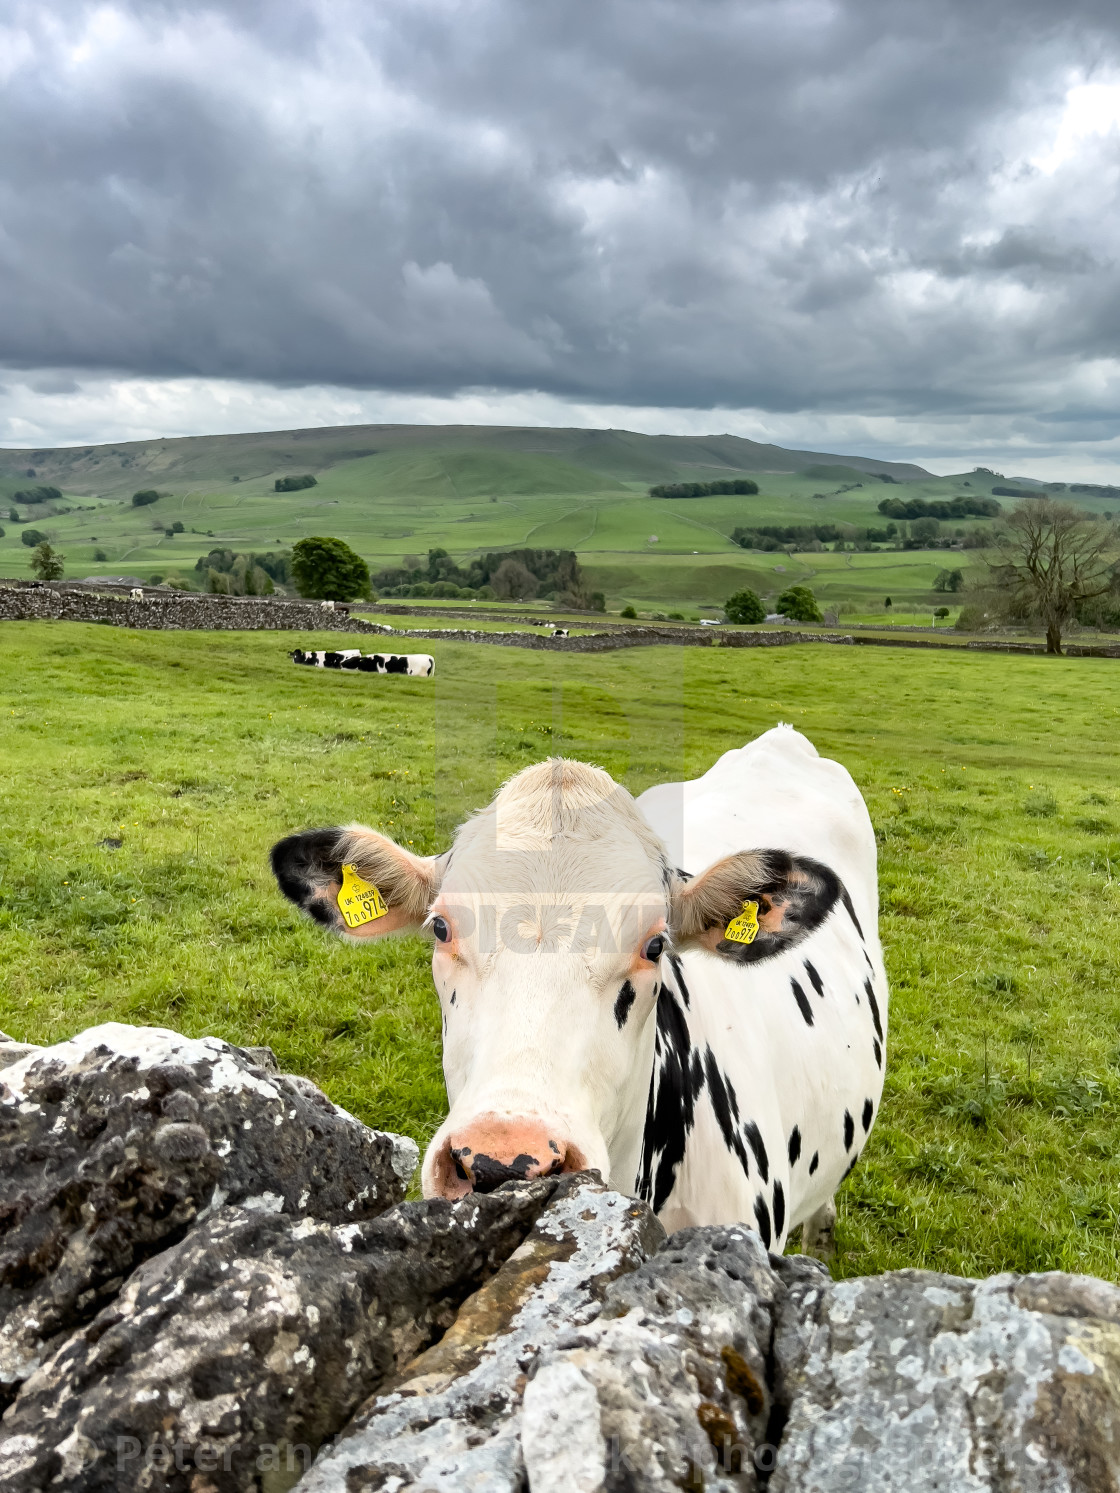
[745, 607]
[940, 612]
[32, 537]
[628, 611]
[47, 563]
[949, 580]
[297, 484]
[799, 604]
[144, 497]
[329, 570]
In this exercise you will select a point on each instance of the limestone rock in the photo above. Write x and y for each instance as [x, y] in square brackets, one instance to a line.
[672, 1385]
[239, 1350]
[12, 1051]
[112, 1144]
[931, 1382]
[452, 1422]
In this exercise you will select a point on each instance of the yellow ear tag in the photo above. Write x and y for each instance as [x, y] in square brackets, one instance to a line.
[744, 928]
[359, 901]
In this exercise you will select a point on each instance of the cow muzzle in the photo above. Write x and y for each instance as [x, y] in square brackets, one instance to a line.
[491, 1150]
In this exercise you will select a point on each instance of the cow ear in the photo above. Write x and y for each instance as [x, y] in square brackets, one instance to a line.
[751, 906]
[356, 882]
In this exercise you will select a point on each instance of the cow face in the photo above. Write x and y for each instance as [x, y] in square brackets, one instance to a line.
[550, 918]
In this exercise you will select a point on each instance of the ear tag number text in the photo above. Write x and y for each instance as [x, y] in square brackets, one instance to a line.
[744, 928]
[359, 901]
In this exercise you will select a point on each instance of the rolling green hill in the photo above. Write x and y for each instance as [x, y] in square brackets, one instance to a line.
[563, 460]
[395, 490]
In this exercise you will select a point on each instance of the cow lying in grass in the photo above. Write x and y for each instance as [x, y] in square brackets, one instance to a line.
[367, 663]
[685, 992]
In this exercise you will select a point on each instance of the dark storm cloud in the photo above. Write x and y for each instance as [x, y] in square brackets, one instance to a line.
[663, 202]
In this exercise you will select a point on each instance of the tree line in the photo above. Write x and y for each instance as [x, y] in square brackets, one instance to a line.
[959, 507]
[33, 495]
[772, 537]
[230, 573]
[733, 485]
[507, 575]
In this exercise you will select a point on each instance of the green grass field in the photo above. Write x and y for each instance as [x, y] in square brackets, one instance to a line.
[992, 782]
[396, 491]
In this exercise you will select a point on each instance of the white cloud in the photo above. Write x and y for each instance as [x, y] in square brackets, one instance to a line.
[53, 410]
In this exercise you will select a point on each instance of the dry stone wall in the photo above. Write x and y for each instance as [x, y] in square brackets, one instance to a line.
[184, 610]
[209, 1284]
[177, 610]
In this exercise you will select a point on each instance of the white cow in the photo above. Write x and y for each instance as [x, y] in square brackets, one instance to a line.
[136, 594]
[685, 992]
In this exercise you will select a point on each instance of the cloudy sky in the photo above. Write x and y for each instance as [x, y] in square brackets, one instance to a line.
[885, 226]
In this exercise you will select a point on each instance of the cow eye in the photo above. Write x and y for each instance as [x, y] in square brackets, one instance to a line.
[654, 948]
[440, 929]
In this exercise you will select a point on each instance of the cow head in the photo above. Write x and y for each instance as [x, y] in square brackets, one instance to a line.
[550, 918]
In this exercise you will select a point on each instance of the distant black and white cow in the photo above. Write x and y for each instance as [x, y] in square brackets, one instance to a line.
[685, 991]
[559, 632]
[367, 663]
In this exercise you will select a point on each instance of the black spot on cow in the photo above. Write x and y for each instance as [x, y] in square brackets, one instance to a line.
[332, 660]
[396, 664]
[677, 1079]
[878, 1053]
[865, 1118]
[367, 664]
[850, 910]
[814, 979]
[794, 1144]
[849, 1130]
[725, 1107]
[626, 998]
[353, 662]
[850, 1168]
[779, 1209]
[802, 1001]
[681, 986]
[816, 1161]
[762, 1215]
[754, 1140]
[452, 1000]
[874, 1004]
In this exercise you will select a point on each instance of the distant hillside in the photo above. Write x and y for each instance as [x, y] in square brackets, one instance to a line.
[474, 459]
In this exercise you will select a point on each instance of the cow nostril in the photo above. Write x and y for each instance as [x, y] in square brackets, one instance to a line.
[460, 1170]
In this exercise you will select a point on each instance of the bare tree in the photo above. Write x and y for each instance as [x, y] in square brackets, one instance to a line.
[514, 581]
[1052, 557]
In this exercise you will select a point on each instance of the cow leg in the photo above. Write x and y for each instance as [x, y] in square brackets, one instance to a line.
[818, 1232]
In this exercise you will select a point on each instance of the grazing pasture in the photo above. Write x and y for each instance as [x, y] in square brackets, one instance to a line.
[145, 775]
[392, 491]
